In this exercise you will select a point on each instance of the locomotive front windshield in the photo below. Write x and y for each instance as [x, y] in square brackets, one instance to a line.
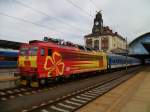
[33, 51]
[24, 51]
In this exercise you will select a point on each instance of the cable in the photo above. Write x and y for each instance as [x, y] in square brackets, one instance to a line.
[93, 4]
[5, 36]
[75, 5]
[43, 13]
[27, 21]
[36, 24]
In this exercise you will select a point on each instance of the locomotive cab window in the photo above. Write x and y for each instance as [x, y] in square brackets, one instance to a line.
[42, 52]
[49, 52]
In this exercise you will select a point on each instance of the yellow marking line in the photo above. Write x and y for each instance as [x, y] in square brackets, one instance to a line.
[6, 78]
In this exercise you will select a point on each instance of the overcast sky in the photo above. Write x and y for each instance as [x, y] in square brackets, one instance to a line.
[24, 20]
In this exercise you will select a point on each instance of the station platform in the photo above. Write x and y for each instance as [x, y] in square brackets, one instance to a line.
[7, 78]
[7, 74]
[131, 96]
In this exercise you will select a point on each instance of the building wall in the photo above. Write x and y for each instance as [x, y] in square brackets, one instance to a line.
[113, 42]
[118, 43]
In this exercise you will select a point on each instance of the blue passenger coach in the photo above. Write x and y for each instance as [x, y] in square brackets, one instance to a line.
[119, 61]
[8, 58]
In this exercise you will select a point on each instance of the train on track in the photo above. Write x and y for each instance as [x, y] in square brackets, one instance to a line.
[51, 59]
[8, 58]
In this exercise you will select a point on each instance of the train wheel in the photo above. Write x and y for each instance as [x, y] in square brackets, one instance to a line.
[73, 77]
[58, 79]
[62, 79]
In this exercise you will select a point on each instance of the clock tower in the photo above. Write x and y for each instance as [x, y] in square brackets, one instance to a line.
[103, 38]
[98, 23]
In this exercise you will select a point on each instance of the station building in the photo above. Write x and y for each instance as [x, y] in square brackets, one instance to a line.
[103, 38]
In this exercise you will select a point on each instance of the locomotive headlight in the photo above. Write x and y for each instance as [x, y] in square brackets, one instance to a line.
[42, 81]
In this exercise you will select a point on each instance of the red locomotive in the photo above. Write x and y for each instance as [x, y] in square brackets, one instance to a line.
[40, 61]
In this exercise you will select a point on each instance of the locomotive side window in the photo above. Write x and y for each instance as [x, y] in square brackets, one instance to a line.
[42, 52]
[49, 52]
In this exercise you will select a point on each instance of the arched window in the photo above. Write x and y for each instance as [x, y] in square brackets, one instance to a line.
[89, 43]
[96, 44]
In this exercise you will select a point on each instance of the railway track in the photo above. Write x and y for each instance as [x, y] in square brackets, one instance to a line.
[21, 91]
[79, 98]
[8, 94]
[42, 98]
[12, 93]
[15, 92]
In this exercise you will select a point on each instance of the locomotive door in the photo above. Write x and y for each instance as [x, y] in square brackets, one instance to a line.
[41, 61]
[48, 62]
[101, 61]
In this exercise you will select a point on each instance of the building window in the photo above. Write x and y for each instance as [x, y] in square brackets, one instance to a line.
[89, 43]
[96, 44]
[104, 44]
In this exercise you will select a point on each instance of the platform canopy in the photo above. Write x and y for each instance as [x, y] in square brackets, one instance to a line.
[140, 47]
[147, 46]
[10, 44]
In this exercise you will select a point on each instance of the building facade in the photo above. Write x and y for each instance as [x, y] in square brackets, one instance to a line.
[103, 38]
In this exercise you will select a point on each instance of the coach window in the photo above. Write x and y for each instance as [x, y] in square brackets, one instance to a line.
[42, 52]
[115, 61]
[49, 52]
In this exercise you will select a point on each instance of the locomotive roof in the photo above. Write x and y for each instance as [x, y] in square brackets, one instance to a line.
[54, 45]
[57, 43]
[51, 44]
